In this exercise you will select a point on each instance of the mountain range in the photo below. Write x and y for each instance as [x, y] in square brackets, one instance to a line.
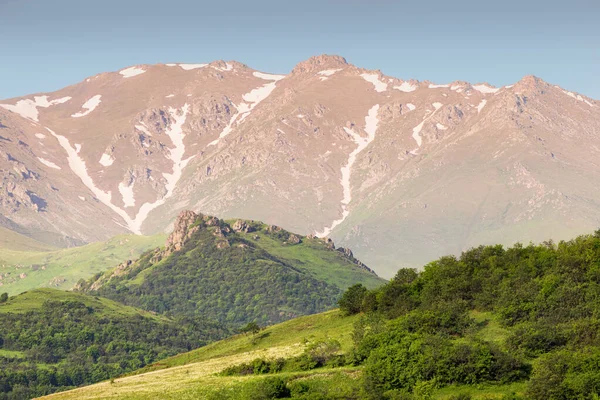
[401, 171]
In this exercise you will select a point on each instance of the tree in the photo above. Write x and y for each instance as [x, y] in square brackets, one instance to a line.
[352, 300]
[3, 298]
[252, 327]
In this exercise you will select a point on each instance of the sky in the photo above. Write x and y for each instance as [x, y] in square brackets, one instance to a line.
[48, 44]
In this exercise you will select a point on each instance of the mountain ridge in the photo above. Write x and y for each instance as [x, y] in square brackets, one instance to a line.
[328, 148]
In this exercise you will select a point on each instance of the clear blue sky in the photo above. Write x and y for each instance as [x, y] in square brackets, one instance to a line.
[49, 44]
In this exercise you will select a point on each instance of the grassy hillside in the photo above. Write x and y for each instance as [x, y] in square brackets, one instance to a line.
[53, 340]
[235, 273]
[192, 375]
[25, 264]
[510, 324]
[11, 240]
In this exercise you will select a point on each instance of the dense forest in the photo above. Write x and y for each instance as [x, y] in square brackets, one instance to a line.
[220, 275]
[60, 344]
[493, 316]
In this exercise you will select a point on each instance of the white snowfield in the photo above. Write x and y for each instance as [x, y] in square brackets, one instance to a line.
[406, 87]
[143, 128]
[89, 106]
[268, 77]
[411, 106]
[131, 72]
[189, 67]
[170, 96]
[441, 127]
[417, 129]
[251, 100]
[329, 72]
[29, 108]
[380, 86]
[48, 163]
[481, 105]
[485, 89]
[434, 86]
[325, 74]
[576, 97]
[127, 194]
[371, 123]
[175, 133]
[40, 136]
[106, 160]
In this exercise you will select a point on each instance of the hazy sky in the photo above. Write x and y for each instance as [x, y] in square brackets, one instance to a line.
[48, 44]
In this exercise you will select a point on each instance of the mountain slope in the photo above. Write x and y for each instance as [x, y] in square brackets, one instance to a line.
[379, 164]
[224, 272]
[52, 340]
[26, 264]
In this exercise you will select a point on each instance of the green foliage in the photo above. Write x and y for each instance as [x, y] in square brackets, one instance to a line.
[83, 340]
[221, 275]
[351, 301]
[3, 298]
[251, 327]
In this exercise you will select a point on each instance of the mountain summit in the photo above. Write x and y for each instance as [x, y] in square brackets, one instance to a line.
[399, 170]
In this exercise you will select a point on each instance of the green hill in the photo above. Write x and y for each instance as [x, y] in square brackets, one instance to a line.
[494, 323]
[234, 272]
[26, 264]
[53, 340]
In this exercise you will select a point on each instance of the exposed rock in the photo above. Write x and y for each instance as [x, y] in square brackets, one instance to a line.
[182, 230]
[242, 226]
[293, 239]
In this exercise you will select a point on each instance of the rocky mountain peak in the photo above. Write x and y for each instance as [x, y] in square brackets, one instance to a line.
[321, 62]
[182, 230]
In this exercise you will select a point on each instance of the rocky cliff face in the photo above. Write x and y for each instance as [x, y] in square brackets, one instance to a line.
[401, 171]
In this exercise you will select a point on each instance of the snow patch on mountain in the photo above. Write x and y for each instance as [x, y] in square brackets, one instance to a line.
[411, 106]
[29, 108]
[434, 86]
[380, 86]
[131, 72]
[441, 127]
[371, 123]
[106, 160]
[89, 106]
[481, 105]
[170, 96]
[325, 74]
[48, 163]
[406, 87]
[251, 100]
[189, 67]
[40, 136]
[268, 77]
[417, 129]
[576, 97]
[127, 194]
[143, 128]
[485, 89]
[174, 132]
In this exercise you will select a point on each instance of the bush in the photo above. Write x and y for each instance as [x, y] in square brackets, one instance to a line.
[352, 299]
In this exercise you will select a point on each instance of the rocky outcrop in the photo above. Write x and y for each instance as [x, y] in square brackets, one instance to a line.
[182, 230]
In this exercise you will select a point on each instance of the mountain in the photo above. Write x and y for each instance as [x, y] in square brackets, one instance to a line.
[52, 340]
[398, 170]
[27, 264]
[234, 272]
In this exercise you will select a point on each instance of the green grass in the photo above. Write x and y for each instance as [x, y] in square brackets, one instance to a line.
[62, 268]
[313, 256]
[34, 299]
[192, 375]
[330, 324]
[11, 354]
[481, 391]
[489, 328]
